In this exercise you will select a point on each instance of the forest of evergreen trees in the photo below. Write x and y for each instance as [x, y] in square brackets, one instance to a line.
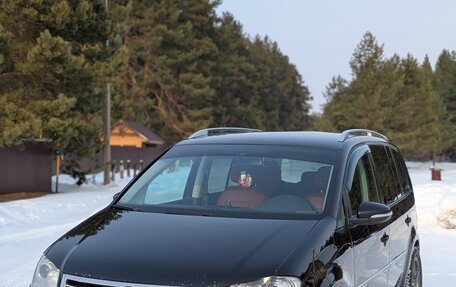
[408, 101]
[177, 66]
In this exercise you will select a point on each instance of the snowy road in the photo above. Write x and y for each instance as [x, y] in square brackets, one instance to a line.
[27, 227]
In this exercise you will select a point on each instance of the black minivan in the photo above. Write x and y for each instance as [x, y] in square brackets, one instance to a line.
[240, 207]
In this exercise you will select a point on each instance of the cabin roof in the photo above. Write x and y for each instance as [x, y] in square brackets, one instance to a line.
[142, 131]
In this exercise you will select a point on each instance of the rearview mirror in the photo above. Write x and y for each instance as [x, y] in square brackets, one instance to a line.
[371, 213]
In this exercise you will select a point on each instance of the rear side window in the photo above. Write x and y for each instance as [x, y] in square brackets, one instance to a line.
[402, 174]
[385, 174]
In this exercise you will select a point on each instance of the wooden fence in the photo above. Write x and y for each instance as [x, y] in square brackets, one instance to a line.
[27, 169]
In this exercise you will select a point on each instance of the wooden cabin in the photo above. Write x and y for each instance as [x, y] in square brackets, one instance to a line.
[132, 134]
[130, 142]
[133, 142]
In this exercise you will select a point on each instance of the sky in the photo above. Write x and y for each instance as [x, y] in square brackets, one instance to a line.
[320, 36]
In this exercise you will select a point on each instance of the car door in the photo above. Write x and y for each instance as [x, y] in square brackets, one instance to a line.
[370, 243]
[401, 225]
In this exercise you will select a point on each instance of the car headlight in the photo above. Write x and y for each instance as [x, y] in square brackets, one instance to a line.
[273, 281]
[46, 274]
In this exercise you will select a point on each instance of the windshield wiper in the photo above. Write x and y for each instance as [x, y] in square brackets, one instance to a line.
[187, 212]
[127, 208]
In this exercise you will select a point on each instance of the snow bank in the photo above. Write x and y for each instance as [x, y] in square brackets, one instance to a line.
[435, 200]
[29, 226]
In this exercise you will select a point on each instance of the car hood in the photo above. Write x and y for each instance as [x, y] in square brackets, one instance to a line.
[170, 249]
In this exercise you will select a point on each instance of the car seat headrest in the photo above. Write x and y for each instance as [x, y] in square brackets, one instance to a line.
[307, 176]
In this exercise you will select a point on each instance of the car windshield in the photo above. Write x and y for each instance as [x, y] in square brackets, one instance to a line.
[253, 181]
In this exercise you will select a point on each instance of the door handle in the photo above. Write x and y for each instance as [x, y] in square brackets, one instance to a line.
[384, 239]
[408, 220]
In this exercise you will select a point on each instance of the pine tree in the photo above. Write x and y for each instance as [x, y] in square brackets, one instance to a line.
[235, 102]
[359, 103]
[334, 117]
[393, 96]
[431, 117]
[172, 56]
[288, 97]
[444, 83]
[191, 69]
[53, 68]
[419, 135]
[174, 66]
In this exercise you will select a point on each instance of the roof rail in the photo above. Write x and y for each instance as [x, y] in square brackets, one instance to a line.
[221, 131]
[360, 132]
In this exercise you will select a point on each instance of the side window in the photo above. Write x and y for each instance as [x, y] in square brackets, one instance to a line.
[363, 185]
[401, 169]
[387, 183]
[218, 174]
[170, 184]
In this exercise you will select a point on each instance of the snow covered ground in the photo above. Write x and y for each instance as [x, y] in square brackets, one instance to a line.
[27, 227]
[436, 200]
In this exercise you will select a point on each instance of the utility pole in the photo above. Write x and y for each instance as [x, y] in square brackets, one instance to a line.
[58, 154]
[107, 123]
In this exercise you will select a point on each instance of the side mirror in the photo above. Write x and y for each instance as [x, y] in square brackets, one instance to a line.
[115, 196]
[371, 213]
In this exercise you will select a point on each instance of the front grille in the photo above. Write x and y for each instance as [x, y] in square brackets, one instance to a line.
[72, 283]
[76, 281]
